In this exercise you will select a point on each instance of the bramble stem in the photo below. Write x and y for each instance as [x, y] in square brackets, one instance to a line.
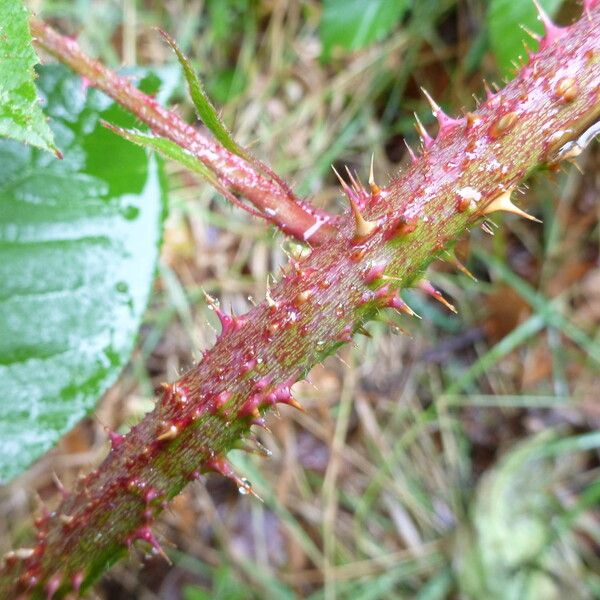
[468, 171]
[274, 201]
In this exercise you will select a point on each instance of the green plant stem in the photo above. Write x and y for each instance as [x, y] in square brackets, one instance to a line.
[317, 306]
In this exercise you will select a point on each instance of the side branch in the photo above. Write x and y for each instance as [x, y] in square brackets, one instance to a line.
[269, 195]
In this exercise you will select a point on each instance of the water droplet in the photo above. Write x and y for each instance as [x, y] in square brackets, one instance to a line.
[293, 315]
[245, 488]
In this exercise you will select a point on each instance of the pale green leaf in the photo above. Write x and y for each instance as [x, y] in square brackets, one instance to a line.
[78, 246]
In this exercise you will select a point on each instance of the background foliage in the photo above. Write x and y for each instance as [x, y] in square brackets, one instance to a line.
[460, 460]
[21, 116]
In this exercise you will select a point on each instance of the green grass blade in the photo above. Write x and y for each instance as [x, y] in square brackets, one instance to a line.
[543, 306]
[513, 340]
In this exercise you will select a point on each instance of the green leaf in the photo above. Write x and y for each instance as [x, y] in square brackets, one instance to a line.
[21, 116]
[79, 242]
[354, 24]
[166, 148]
[204, 107]
[171, 150]
[506, 19]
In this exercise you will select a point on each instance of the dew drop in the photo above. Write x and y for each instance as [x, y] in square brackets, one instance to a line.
[245, 487]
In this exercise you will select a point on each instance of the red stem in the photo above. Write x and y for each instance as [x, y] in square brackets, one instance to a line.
[273, 199]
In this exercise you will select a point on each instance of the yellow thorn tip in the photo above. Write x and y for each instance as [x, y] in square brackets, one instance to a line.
[363, 228]
[434, 105]
[504, 203]
[375, 189]
[169, 434]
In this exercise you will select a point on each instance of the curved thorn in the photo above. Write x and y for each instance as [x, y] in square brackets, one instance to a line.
[348, 191]
[552, 31]
[363, 228]
[532, 34]
[170, 433]
[543, 15]
[219, 464]
[425, 137]
[363, 331]
[344, 185]
[270, 302]
[398, 304]
[461, 267]
[504, 203]
[445, 122]
[435, 107]
[428, 288]
[227, 322]
[488, 90]
[356, 185]
[411, 153]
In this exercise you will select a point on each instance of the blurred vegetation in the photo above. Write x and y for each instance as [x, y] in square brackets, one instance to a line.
[458, 461]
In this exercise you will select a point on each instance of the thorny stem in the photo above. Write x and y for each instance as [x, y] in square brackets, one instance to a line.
[273, 199]
[468, 171]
